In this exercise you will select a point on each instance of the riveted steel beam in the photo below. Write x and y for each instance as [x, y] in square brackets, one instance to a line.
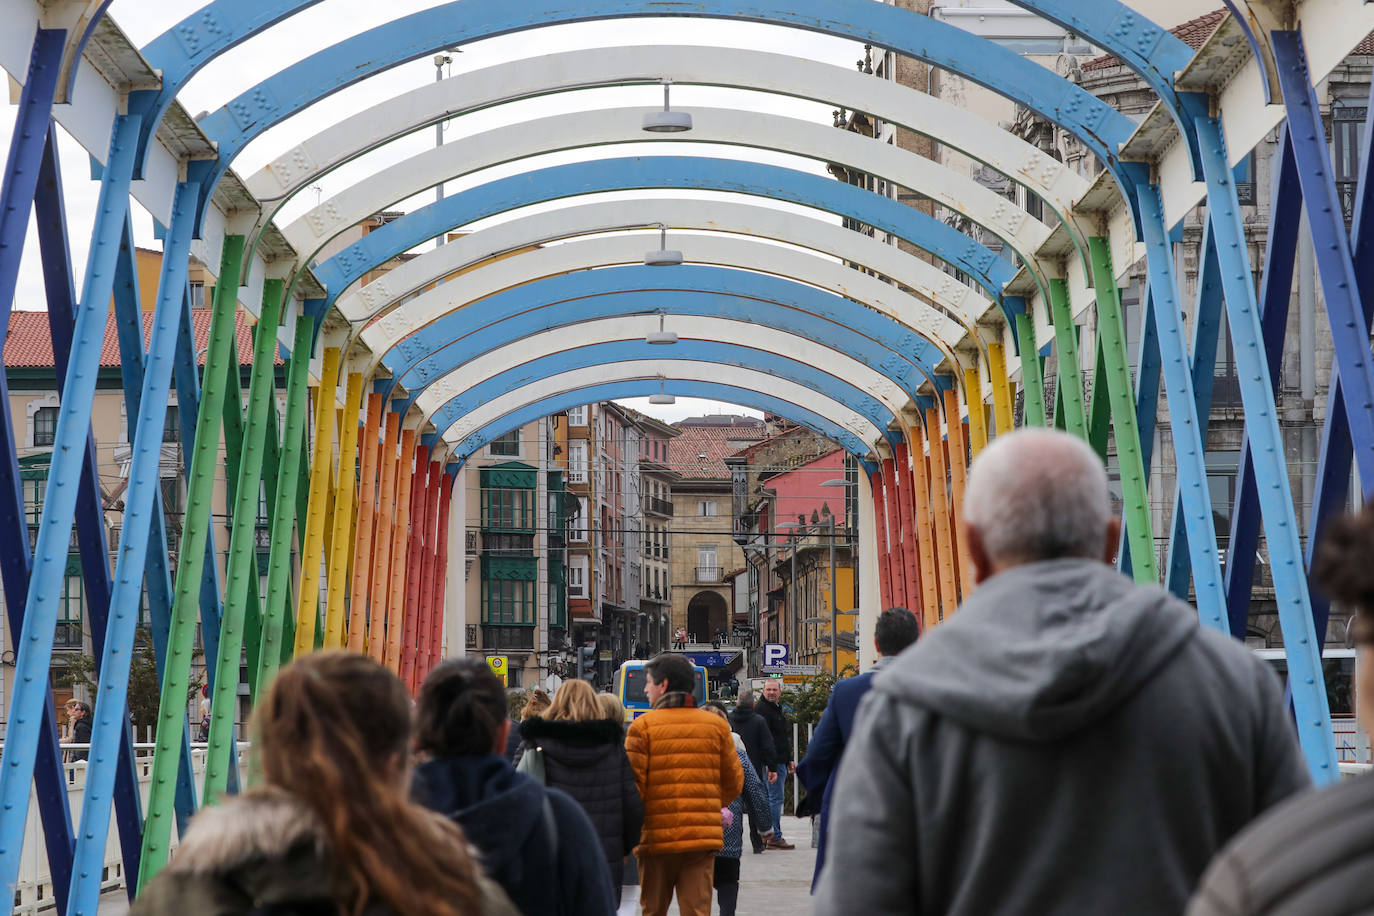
[364, 558]
[172, 708]
[308, 597]
[341, 547]
[384, 536]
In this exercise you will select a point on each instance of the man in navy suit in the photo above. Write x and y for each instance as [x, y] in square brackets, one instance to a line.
[896, 629]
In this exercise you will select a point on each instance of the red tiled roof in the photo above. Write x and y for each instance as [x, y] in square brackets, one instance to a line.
[1193, 33]
[28, 344]
[715, 442]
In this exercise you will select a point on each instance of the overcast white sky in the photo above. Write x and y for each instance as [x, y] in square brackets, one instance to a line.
[332, 20]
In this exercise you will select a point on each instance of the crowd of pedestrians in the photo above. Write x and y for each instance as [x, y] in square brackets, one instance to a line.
[1068, 742]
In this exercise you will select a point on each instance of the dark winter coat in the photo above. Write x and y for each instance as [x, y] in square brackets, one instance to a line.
[587, 760]
[537, 843]
[818, 769]
[754, 798]
[81, 734]
[1068, 742]
[263, 852]
[1310, 856]
[757, 738]
[780, 728]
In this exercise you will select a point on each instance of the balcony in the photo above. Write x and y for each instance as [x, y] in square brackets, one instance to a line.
[708, 574]
[654, 505]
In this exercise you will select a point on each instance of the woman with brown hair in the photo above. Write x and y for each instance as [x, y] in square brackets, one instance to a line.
[536, 842]
[583, 753]
[330, 830]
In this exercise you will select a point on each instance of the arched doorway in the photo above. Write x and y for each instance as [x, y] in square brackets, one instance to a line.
[706, 615]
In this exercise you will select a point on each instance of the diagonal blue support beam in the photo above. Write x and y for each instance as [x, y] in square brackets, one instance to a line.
[35, 642]
[142, 550]
[1330, 243]
[1285, 209]
[1188, 432]
[1206, 330]
[20, 179]
[90, 511]
[1271, 470]
[16, 563]
[1332, 487]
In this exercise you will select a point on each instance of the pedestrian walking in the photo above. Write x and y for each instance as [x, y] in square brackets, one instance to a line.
[1068, 741]
[896, 629]
[1311, 855]
[758, 744]
[725, 878]
[535, 841]
[330, 829]
[770, 708]
[537, 702]
[613, 709]
[687, 769]
[583, 754]
[78, 730]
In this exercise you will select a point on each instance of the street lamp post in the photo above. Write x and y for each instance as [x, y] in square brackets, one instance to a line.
[834, 604]
[792, 612]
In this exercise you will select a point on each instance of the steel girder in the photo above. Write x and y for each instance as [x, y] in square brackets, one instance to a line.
[1013, 225]
[858, 411]
[325, 72]
[361, 305]
[443, 347]
[675, 172]
[398, 328]
[954, 127]
[704, 334]
[583, 387]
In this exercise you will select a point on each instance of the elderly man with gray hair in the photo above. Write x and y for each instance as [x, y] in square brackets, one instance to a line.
[1069, 741]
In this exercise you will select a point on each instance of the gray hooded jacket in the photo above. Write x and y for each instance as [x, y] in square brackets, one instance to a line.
[1068, 742]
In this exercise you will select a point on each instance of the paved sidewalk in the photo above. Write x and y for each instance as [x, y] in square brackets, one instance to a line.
[772, 883]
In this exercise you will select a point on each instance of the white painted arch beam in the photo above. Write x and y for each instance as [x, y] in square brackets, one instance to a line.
[688, 327]
[950, 125]
[742, 218]
[685, 370]
[468, 155]
[468, 290]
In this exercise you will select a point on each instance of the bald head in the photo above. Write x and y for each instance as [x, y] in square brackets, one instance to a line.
[1037, 494]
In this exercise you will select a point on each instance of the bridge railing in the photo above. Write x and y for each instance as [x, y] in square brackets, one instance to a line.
[34, 891]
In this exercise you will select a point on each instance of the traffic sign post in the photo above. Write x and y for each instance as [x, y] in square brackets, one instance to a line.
[500, 666]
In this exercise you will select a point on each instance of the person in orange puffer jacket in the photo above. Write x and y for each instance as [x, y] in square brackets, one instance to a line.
[686, 768]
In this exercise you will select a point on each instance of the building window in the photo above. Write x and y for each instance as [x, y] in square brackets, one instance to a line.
[506, 445]
[45, 427]
[706, 507]
[577, 416]
[510, 508]
[708, 570]
[577, 525]
[171, 426]
[1347, 132]
[68, 632]
[577, 461]
[197, 295]
[577, 578]
[508, 601]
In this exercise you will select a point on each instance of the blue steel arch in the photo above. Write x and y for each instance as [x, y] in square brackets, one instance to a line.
[677, 172]
[686, 388]
[1101, 128]
[623, 351]
[830, 320]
